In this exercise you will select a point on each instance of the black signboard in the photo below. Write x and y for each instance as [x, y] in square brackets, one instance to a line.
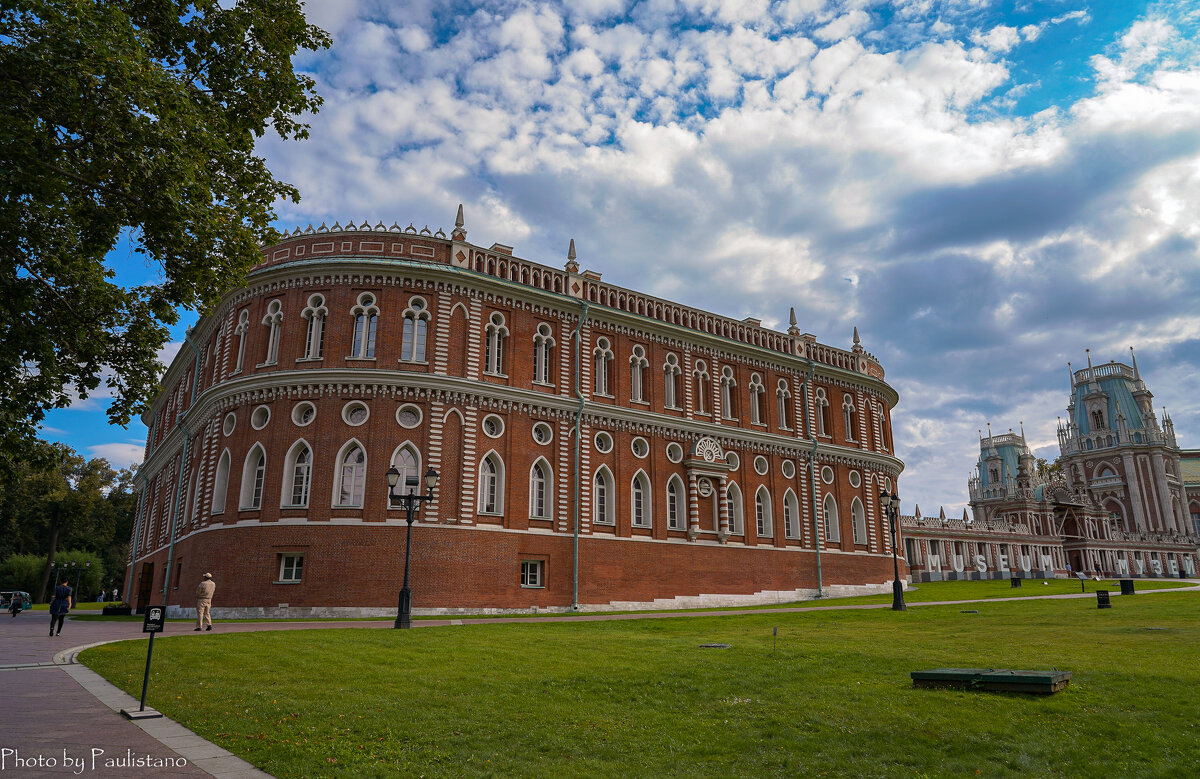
[1102, 601]
[156, 617]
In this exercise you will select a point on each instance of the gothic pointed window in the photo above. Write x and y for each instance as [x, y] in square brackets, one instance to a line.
[416, 324]
[791, 515]
[637, 374]
[1098, 420]
[491, 485]
[407, 463]
[762, 513]
[783, 398]
[540, 490]
[833, 531]
[675, 504]
[602, 497]
[272, 322]
[243, 326]
[756, 396]
[543, 355]
[602, 358]
[351, 477]
[822, 404]
[366, 317]
[252, 478]
[639, 499]
[703, 384]
[314, 338]
[860, 521]
[850, 417]
[495, 336]
[220, 483]
[297, 474]
[733, 500]
[728, 393]
[671, 372]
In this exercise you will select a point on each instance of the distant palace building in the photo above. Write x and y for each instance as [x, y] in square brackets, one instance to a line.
[597, 446]
[1126, 503]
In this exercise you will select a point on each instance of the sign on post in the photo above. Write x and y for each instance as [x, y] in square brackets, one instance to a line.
[1102, 601]
[154, 622]
[156, 617]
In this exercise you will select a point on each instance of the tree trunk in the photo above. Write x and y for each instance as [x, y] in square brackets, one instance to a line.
[49, 561]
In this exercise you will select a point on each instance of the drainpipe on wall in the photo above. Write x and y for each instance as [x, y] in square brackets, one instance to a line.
[187, 339]
[818, 539]
[577, 431]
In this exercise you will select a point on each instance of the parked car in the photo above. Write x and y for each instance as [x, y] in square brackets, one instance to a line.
[6, 599]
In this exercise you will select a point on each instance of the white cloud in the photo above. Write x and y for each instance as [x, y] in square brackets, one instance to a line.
[118, 455]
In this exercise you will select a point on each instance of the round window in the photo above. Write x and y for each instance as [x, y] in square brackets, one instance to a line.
[855, 479]
[303, 413]
[355, 413]
[604, 443]
[789, 469]
[229, 423]
[260, 417]
[639, 447]
[827, 475]
[733, 460]
[493, 426]
[408, 416]
[674, 453]
[542, 433]
[761, 466]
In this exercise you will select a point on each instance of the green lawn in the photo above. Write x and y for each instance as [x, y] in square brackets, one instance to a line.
[641, 698]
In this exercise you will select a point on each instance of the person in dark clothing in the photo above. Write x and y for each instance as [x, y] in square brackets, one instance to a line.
[59, 607]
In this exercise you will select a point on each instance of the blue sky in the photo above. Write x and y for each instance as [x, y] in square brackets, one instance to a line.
[984, 189]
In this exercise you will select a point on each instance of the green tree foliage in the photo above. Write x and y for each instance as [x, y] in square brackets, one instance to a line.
[138, 116]
[1048, 470]
[84, 571]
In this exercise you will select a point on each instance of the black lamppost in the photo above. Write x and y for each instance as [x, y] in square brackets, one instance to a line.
[410, 501]
[79, 577]
[891, 510]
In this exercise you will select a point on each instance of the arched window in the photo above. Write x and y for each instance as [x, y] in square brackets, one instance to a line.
[491, 485]
[756, 395]
[823, 421]
[493, 347]
[602, 358]
[416, 323]
[675, 504]
[860, 521]
[639, 501]
[243, 326]
[351, 476]
[791, 515]
[832, 531]
[543, 354]
[407, 462]
[1097, 420]
[762, 513]
[541, 490]
[272, 322]
[602, 498]
[733, 499]
[783, 398]
[728, 394]
[252, 478]
[850, 417]
[366, 316]
[297, 475]
[221, 483]
[314, 339]
[637, 374]
[671, 371]
[703, 386]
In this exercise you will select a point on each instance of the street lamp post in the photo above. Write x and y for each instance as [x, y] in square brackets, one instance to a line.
[891, 509]
[411, 502]
[79, 577]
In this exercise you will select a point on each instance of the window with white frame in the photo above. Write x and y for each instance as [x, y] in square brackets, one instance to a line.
[833, 531]
[297, 471]
[272, 322]
[703, 386]
[733, 501]
[407, 463]
[850, 417]
[543, 354]
[783, 399]
[671, 390]
[675, 504]
[491, 485]
[314, 338]
[493, 346]
[637, 374]
[541, 488]
[762, 513]
[602, 358]
[243, 326]
[639, 500]
[533, 573]
[822, 404]
[791, 515]
[859, 516]
[351, 476]
[416, 324]
[366, 317]
[252, 478]
[728, 393]
[756, 396]
[602, 498]
[291, 568]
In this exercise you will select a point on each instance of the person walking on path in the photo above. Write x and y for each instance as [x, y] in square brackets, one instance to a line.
[204, 593]
[59, 607]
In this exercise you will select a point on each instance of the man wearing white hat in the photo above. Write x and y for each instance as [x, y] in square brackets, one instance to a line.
[204, 593]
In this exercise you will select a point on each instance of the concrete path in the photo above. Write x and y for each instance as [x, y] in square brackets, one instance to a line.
[60, 717]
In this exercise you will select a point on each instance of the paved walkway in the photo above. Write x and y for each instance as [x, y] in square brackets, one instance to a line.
[60, 717]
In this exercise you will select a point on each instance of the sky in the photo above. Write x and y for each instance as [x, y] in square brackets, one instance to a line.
[984, 189]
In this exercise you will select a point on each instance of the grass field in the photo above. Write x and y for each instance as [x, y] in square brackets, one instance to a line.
[830, 696]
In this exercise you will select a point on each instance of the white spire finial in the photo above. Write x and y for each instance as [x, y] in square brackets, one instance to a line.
[571, 250]
[458, 220]
[792, 317]
[1136, 376]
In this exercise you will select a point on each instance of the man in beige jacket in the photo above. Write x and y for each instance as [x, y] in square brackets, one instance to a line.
[204, 593]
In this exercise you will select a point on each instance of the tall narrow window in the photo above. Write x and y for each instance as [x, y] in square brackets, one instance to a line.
[833, 531]
[352, 472]
[860, 521]
[602, 497]
[314, 339]
[671, 372]
[756, 396]
[272, 322]
[674, 504]
[791, 515]
[733, 501]
[783, 398]
[703, 386]
[602, 357]
[762, 513]
[822, 404]
[539, 490]
[728, 394]
[493, 349]
[366, 315]
[637, 374]
[297, 473]
[221, 483]
[850, 417]
[243, 326]
[543, 354]
[491, 485]
[252, 478]
[408, 464]
[640, 500]
[416, 323]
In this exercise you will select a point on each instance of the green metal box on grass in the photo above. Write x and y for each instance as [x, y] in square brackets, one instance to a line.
[992, 679]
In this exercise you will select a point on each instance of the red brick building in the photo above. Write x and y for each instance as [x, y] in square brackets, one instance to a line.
[596, 446]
